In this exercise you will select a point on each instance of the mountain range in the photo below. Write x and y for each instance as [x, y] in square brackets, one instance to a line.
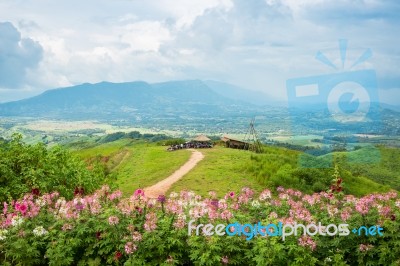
[107, 100]
[189, 104]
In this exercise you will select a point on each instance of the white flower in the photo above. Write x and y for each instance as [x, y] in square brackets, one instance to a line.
[173, 195]
[40, 202]
[255, 203]
[193, 203]
[266, 194]
[3, 234]
[63, 210]
[16, 220]
[273, 215]
[39, 231]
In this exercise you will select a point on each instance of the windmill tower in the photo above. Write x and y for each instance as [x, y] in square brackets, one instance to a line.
[251, 139]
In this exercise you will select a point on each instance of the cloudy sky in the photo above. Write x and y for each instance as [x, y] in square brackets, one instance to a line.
[256, 44]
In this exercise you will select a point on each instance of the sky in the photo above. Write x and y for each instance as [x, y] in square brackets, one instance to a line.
[255, 44]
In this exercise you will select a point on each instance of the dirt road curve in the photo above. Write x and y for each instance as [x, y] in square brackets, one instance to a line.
[162, 187]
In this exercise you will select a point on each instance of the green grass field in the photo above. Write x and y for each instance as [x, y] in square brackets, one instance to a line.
[221, 170]
[146, 165]
[138, 164]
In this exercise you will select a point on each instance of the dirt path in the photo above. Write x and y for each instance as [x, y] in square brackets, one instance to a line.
[162, 187]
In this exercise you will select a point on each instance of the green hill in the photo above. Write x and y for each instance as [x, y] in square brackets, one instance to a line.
[137, 164]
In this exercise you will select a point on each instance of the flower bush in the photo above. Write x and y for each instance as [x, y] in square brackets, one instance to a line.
[105, 228]
[38, 169]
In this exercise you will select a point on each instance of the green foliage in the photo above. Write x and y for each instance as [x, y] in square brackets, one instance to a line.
[365, 170]
[133, 135]
[106, 229]
[25, 167]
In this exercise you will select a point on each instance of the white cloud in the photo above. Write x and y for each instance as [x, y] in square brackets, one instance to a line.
[256, 44]
[145, 35]
[17, 55]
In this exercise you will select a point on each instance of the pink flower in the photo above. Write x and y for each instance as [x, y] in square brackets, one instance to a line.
[22, 208]
[151, 222]
[248, 192]
[280, 189]
[385, 211]
[235, 206]
[197, 212]
[225, 260]
[161, 198]
[5, 208]
[362, 206]
[212, 215]
[266, 194]
[113, 220]
[66, 227]
[136, 236]
[115, 195]
[346, 214]
[214, 203]
[212, 194]
[307, 241]
[272, 215]
[364, 248]
[130, 248]
[226, 215]
[179, 223]
[139, 192]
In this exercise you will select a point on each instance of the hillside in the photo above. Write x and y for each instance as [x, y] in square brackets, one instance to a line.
[135, 100]
[136, 165]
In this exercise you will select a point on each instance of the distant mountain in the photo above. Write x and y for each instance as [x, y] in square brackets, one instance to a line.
[107, 100]
[239, 94]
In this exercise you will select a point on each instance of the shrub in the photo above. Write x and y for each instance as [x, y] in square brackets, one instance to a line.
[25, 168]
[104, 228]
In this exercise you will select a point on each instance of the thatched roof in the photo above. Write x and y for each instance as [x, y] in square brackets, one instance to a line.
[201, 138]
[226, 138]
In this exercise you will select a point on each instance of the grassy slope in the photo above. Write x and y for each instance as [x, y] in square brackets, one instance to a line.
[136, 164]
[222, 170]
[106, 149]
[147, 165]
[358, 167]
[139, 164]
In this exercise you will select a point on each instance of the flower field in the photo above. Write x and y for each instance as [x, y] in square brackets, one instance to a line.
[104, 228]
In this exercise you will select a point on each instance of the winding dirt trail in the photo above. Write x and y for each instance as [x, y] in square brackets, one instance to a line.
[162, 187]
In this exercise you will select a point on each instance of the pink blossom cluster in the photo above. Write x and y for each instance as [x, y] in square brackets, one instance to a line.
[285, 205]
[307, 241]
[151, 222]
[130, 248]
[365, 247]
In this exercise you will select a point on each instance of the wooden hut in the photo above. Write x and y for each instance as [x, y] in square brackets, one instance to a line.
[234, 143]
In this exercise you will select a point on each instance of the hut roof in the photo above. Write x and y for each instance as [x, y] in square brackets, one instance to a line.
[201, 138]
[226, 138]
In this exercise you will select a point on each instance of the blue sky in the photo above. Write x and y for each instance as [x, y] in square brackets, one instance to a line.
[256, 44]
